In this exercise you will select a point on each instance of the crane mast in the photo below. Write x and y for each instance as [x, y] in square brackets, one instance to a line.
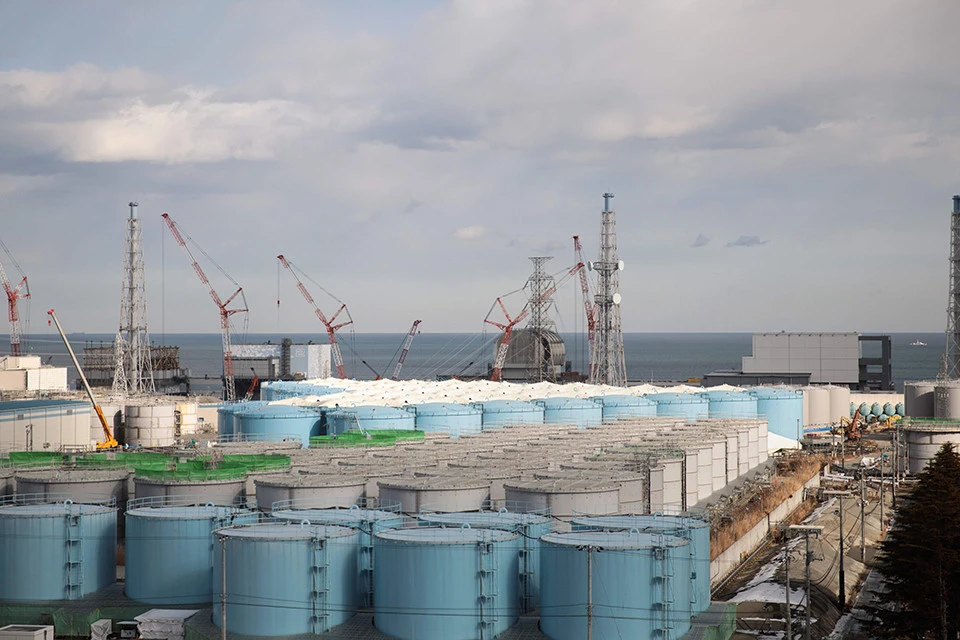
[507, 327]
[328, 324]
[14, 295]
[229, 386]
[406, 348]
[590, 308]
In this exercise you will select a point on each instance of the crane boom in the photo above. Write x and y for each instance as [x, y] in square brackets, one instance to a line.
[406, 348]
[229, 386]
[14, 295]
[589, 308]
[329, 324]
[507, 327]
[109, 441]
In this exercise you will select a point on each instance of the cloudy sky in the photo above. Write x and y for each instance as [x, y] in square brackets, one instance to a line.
[776, 164]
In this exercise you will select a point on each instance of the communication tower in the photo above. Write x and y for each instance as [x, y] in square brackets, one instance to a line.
[134, 369]
[541, 286]
[952, 354]
[607, 366]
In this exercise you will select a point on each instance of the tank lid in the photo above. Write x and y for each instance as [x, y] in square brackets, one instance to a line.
[564, 485]
[311, 480]
[286, 531]
[73, 475]
[440, 535]
[52, 509]
[185, 512]
[644, 523]
[336, 515]
[436, 483]
[484, 518]
[614, 539]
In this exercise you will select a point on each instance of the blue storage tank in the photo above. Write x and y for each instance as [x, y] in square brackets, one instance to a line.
[446, 584]
[531, 528]
[577, 411]
[447, 417]
[366, 521]
[692, 529]
[636, 570]
[283, 389]
[269, 421]
[727, 404]
[226, 418]
[618, 407]
[864, 409]
[783, 409]
[169, 549]
[310, 570]
[369, 418]
[900, 409]
[497, 413]
[876, 409]
[55, 551]
[681, 405]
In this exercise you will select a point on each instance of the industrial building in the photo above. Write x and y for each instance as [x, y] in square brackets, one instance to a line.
[813, 358]
[284, 361]
[22, 376]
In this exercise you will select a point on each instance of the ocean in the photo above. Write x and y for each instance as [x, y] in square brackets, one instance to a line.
[649, 356]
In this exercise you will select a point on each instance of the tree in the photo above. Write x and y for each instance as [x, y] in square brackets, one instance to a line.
[920, 559]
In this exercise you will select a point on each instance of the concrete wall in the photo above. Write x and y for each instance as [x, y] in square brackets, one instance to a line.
[730, 559]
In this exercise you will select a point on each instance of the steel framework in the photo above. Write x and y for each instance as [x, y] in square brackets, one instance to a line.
[607, 366]
[952, 354]
[133, 369]
[14, 295]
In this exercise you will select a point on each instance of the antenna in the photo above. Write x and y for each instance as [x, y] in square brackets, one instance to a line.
[952, 352]
[133, 370]
[607, 366]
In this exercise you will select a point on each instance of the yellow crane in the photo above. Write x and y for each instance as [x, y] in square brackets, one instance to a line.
[109, 442]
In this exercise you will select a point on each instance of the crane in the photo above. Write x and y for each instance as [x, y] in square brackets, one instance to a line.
[229, 387]
[507, 327]
[406, 348]
[590, 308]
[109, 441]
[253, 386]
[14, 295]
[329, 324]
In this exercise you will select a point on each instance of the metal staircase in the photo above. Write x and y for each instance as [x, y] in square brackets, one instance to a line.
[321, 588]
[665, 575]
[74, 583]
[526, 575]
[488, 590]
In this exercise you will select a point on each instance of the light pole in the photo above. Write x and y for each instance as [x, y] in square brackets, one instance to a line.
[841, 592]
[806, 531]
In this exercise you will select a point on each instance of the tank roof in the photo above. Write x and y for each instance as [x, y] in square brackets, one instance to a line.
[52, 509]
[286, 531]
[73, 475]
[443, 535]
[20, 405]
[643, 522]
[436, 483]
[564, 485]
[336, 515]
[311, 480]
[183, 512]
[484, 518]
[614, 539]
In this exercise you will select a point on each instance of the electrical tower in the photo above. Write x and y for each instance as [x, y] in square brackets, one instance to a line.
[541, 286]
[607, 366]
[133, 371]
[952, 354]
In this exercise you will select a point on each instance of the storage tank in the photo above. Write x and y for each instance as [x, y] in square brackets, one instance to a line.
[169, 549]
[79, 485]
[223, 486]
[923, 441]
[311, 570]
[447, 417]
[621, 407]
[690, 406]
[149, 425]
[839, 402]
[531, 528]
[441, 493]
[692, 529]
[817, 400]
[783, 409]
[8, 484]
[730, 404]
[446, 584]
[497, 413]
[226, 424]
[321, 491]
[947, 400]
[918, 398]
[876, 409]
[271, 421]
[645, 577]
[564, 497]
[575, 411]
[55, 550]
[369, 418]
[366, 521]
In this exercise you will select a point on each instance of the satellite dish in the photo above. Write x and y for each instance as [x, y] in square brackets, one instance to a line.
[616, 298]
[620, 266]
[589, 266]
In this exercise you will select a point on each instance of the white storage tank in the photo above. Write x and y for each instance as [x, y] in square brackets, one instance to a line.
[150, 425]
[565, 497]
[918, 398]
[839, 403]
[320, 491]
[947, 400]
[443, 493]
[817, 404]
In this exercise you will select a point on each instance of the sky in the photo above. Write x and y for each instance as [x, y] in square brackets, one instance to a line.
[776, 165]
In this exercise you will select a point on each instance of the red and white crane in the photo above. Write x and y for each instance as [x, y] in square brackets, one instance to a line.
[229, 386]
[14, 294]
[329, 324]
[406, 348]
[507, 327]
[589, 307]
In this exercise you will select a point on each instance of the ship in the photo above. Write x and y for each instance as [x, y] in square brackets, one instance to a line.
[918, 343]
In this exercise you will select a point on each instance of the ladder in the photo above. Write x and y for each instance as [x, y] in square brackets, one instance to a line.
[321, 588]
[664, 574]
[488, 589]
[526, 573]
[366, 565]
[74, 555]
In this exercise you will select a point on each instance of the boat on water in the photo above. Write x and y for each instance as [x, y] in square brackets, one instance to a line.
[918, 343]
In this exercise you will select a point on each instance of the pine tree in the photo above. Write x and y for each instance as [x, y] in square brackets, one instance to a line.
[920, 559]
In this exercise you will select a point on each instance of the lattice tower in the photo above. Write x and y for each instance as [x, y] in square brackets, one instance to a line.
[608, 365]
[133, 372]
[952, 354]
[539, 285]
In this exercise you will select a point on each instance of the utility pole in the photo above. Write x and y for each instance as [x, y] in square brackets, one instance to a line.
[590, 549]
[841, 592]
[882, 525]
[786, 553]
[806, 531]
[863, 529]
[223, 588]
[896, 463]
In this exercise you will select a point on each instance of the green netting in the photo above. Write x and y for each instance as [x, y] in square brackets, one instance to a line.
[33, 459]
[194, 471]
[258, 462]
[125, 460]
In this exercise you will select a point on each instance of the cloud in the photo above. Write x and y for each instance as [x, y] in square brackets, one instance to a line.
[747, 241]
[701, 241]
[469, 233]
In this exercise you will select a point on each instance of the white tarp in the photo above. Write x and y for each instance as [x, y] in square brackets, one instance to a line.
[163, 624]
